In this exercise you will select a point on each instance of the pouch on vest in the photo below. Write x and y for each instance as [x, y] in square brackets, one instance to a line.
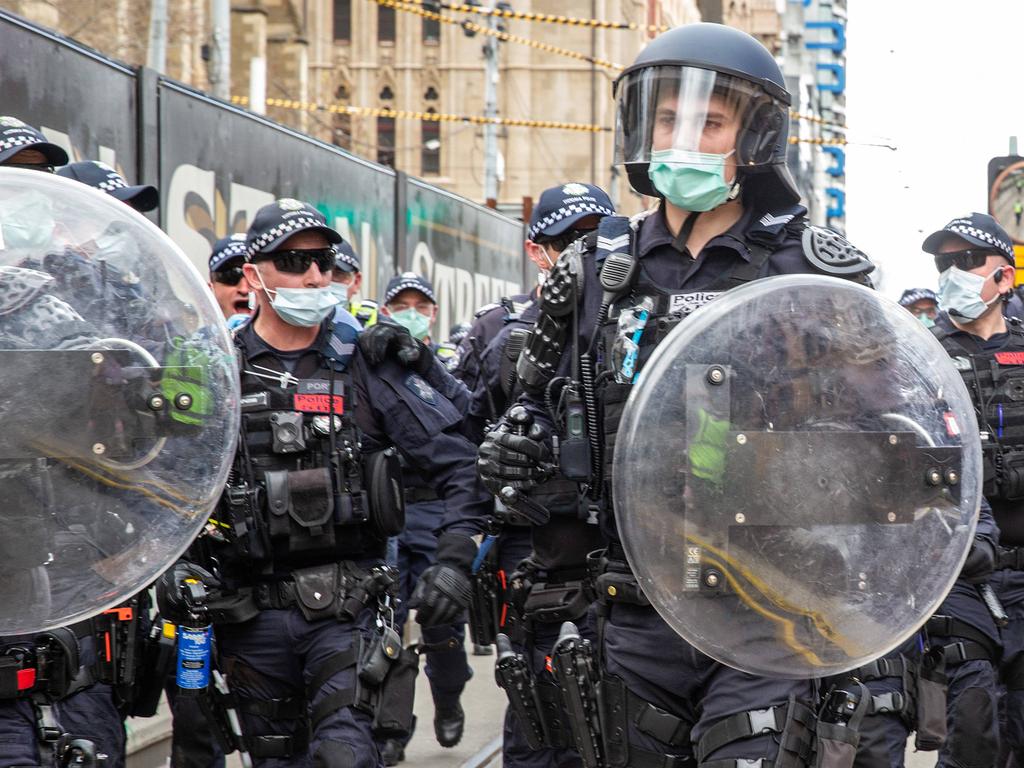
[837, 730]
[931, 701]
[317, 591]
[382, 478]
[393, 718]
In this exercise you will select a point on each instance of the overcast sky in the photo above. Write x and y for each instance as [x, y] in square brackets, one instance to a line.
[944, 80]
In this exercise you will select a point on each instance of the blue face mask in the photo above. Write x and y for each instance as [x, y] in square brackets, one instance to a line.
[303, 307]
[417, 324]
[693, 181]
[960, 294]
[926, 321]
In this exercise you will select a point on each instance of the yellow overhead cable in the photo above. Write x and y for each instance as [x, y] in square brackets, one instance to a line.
[550, 18]
[403, 114]
[821, 142]
[414, 7]
[510, 122]
[508, 37]
[815, 119]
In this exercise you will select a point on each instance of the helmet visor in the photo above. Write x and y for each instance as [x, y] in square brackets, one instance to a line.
[696, 111]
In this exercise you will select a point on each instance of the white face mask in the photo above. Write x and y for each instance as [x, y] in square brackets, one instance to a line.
[960, 294]
[26, 221]
[302, 307]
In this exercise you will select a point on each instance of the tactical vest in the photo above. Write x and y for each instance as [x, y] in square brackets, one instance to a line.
[668, 308]
[995, 381]
[304, 489]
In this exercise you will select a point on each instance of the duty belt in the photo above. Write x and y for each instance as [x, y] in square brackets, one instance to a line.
[971, 644]
[1011, 558]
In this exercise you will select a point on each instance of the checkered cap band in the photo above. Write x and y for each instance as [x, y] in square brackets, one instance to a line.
[415, 283]
[112, 182]
[296, 224]
[233, 249]
[573, 209]
[962, 227]
[912, 295]
[17, 141]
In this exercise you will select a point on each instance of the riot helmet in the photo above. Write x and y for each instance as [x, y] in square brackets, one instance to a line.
[704, 95]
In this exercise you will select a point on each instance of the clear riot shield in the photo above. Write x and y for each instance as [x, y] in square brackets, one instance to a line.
[797, 477]
[118, 401]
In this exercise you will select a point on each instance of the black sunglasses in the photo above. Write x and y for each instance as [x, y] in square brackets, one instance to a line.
[563, 241]
[966, 260]
[296, 262]
[229, 276]
[30, 166]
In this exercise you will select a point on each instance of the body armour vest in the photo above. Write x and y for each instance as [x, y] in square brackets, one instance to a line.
[995, 380]
[305, 489]
[635, 323]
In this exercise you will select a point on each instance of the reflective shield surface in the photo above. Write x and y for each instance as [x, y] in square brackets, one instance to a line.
[118, 401]
[797, 476]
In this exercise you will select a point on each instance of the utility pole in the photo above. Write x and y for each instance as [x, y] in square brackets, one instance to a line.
[158, 36]
[491, 111]
[220, 62]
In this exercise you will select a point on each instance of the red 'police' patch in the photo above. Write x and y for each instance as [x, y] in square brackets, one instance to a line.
[1010, 358]
[319, 404]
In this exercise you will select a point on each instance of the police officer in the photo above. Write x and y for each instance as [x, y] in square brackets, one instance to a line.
[922, 303]
[301, 599]
[551, 585]
[702, 125]
[409, 300]
[346, 282]
[975, 260]
[227, 280]
[101, 695]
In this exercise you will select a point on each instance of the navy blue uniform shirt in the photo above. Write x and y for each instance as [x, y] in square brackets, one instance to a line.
[395, 406]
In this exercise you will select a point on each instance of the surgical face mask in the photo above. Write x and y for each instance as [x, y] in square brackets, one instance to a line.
[417, 323]
[26, 221]
[693, 181]
[303, 307]
[960, 294]
[926, 321]
[340, 292]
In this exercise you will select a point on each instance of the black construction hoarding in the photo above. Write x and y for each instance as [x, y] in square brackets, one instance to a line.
[472, 254]
[81, 100]
[219, 164]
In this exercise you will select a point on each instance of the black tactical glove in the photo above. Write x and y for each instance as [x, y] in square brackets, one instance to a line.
[170, 598]
[980, 563]
[387, 339]
[515, 454]
[444, 589]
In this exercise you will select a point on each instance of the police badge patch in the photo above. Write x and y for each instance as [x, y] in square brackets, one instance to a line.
[421, 389]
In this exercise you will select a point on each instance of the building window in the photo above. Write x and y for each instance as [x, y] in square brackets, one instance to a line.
[386, 141]
[343, 20]
[385, 24]
[431, 154]
[430, 94]
[431, 31]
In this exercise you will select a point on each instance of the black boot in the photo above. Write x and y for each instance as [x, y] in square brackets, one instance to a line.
[392, 752]
[448, 724]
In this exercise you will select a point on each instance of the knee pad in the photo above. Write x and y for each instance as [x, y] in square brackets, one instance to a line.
[338, 754]
[973, 733]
